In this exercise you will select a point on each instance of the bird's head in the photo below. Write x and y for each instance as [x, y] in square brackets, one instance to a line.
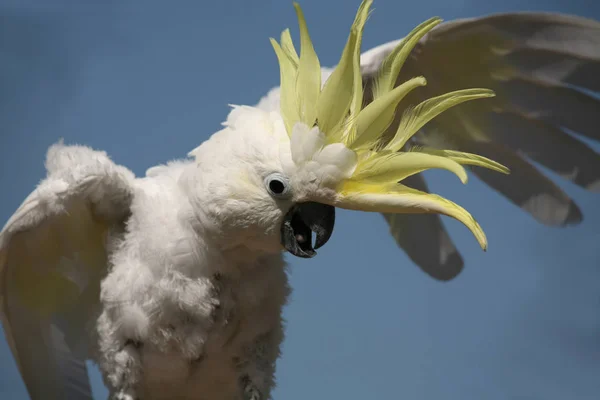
[277, 177]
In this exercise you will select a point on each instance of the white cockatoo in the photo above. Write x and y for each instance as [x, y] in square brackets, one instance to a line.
[174, 283]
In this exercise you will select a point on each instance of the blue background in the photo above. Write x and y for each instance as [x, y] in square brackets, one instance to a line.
[147, 81]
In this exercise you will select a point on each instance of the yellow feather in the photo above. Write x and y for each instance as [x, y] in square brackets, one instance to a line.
[340, 92]
[415, 118]
[465, 158]
[397, 198]
[392, 64]
[375, 118]
[288, 102]
[336, 96]
[308, 83]
[288, 47]
[357, 99]
[394, 167]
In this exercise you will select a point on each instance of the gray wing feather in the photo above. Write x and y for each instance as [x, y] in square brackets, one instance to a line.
[543, 67]
[547, 145]
[556, 67]
[526, 187]
[559, 105]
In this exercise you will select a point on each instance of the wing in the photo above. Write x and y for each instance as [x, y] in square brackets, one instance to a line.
[543, 67]
[52, 257]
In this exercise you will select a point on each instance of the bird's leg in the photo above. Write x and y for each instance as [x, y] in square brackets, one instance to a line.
[119, 361]
[129, 368]
[249, 390]
[257, 366]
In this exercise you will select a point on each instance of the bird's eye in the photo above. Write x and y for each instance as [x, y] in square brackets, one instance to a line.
[277, 185]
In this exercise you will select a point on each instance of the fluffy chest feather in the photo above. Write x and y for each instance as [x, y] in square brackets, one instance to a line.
[180, 314]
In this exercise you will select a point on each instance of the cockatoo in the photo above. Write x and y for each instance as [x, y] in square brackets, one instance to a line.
[174, 283]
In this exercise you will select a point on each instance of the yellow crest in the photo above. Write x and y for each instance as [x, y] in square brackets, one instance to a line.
[336, 108]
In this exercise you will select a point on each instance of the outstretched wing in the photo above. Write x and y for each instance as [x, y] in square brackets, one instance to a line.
[542, 67]
[52, 257]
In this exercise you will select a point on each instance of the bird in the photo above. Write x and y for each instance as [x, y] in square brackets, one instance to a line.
[174, 283]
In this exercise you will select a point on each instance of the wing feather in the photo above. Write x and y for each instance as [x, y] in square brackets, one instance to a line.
[543, 67]
[559, 105]
[526, 186]
[52, 257]
[554, 66]
[548, 145]
[539, 30]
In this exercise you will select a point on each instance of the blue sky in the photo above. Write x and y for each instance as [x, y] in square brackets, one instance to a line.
[147, 81]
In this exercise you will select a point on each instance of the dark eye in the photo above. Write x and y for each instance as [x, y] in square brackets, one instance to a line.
[278, 185]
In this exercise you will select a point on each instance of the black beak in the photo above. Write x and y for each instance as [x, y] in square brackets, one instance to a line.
[300, 222]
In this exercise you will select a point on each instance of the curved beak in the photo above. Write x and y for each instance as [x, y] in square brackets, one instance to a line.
[300, 222]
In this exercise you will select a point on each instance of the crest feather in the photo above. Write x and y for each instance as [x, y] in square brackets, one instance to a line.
[415, 118]
[340, 92]
[288, 100]
[390, 68]
[390, 167]
[288, 47]
[375, 118]
[343, 136]
[308, 82]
